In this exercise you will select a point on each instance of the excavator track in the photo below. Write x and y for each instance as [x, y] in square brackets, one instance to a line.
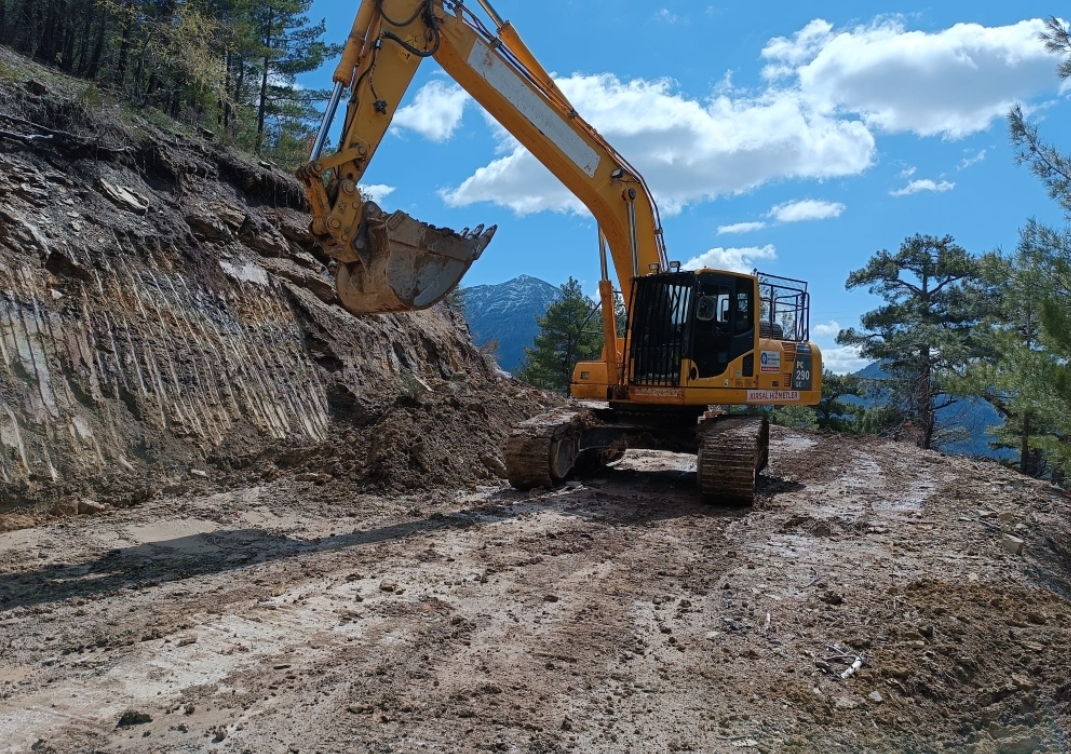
[541, 451]
[732, 451]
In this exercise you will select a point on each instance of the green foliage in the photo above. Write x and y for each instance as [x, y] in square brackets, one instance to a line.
[1030, 381]
[798, 417]
[224, 65]
[831, 412]
[571, 331]
[924, 334]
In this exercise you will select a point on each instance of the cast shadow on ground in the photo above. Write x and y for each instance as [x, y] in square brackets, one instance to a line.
[616, 498]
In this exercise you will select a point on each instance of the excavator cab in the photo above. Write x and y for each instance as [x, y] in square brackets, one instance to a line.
[706, 318]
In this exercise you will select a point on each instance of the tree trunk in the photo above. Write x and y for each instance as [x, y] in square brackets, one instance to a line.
[264, 84]
[124, 46]
[93, 67]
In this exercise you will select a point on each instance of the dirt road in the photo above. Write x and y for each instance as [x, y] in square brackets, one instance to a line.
[617, 613]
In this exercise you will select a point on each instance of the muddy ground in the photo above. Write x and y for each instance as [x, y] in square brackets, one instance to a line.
[617, 613]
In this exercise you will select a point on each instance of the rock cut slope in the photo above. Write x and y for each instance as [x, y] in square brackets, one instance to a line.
[163, 310]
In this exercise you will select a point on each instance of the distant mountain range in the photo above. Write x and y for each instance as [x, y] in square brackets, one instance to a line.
[974, 415]
[506, 313]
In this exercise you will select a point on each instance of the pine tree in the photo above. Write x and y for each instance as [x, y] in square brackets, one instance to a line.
[569, 332]
[924, 332]
[289, 45]
[831, 411]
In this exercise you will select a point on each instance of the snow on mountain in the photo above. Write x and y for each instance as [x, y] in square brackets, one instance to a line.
[506, 313]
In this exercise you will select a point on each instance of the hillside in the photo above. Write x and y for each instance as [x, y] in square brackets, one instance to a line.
[506, 314]
[167, 322]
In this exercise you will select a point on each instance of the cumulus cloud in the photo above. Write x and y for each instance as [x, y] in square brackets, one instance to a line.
[843, 359]
[966, 162]
[908, 171]
[924, 184]
[751, 227]
[435, 112]
[827, 92]
[735, 259]
[826, 329]
[951, 83]
[375, 192]
[806, 209]
[688, 150]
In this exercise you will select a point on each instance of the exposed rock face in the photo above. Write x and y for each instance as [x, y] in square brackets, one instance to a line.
[161, 303]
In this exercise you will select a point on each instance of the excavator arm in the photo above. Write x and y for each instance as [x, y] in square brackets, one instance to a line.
[394, 263]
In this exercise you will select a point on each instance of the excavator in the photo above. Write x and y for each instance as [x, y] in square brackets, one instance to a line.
[696, 342]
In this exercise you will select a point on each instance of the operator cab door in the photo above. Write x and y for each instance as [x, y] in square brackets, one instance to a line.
[723, 326]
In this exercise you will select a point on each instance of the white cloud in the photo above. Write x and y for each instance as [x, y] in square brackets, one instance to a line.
[740, 228]
[952, 82]
[826, 329]
[435, 112]
[843, 359]
[907, 172]
[688, 150]
[924, 184]
[666, 15]
[735, 259]
[966, 162]
[827, 92]
[375, 192]
[806, 209]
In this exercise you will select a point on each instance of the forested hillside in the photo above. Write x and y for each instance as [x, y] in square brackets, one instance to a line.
[227, 66]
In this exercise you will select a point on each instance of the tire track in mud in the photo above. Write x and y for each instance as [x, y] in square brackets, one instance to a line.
[613, 614]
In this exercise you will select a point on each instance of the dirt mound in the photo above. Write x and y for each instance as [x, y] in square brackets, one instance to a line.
[434, 435]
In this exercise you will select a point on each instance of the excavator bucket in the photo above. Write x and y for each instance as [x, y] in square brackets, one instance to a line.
[405, 264]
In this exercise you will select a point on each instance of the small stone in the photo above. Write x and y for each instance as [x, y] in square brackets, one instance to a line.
[388, 586]
[89, 507]
[133, 717]
[63, 508]
[1014, 545]
[567, 724]
[1038, 619]
[551, 598]
[199, 473]
[313, 476]
[186, 641]
[832, 598]
[875, 697]
[573, 485]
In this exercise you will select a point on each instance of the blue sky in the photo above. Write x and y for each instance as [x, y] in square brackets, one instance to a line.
[796, 137]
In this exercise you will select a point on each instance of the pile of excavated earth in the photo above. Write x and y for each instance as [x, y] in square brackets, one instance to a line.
[234, 518]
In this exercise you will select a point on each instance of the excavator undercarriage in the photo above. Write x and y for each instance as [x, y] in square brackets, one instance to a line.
[731, 450]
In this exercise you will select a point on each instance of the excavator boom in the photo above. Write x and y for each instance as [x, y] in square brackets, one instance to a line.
[397, 263]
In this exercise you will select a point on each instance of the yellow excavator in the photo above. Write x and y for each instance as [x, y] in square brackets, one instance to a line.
[696, 341]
